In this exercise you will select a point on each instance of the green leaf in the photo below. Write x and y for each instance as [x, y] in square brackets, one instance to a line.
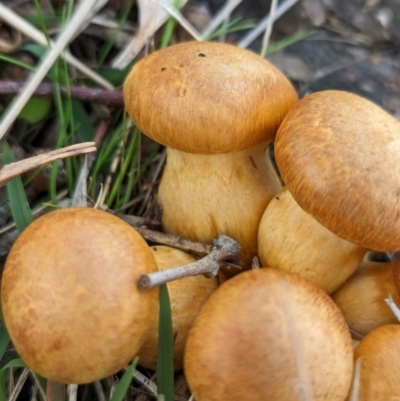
[4, 340]
[35, 110]
[169, 27]
[37, 50]
[123, 385]
[16, 194]
[15, 363]
[165, 359]
[84, 125]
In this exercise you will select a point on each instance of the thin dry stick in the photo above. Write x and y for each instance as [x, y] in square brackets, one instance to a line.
[156, 173]
[18, 387]
[81, 93]
[393, 307]
[12, 170]
[268, 31]
[80, 16]
[158, 237]
[18, 23]
[72, 391]
[183, 22]
[260, 28]
[224, 249]
[55, 391]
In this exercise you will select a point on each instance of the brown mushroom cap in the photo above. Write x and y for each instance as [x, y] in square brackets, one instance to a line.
[70, 297]
[339, 155]
[204, 97]
[266, 334]
[380, 355]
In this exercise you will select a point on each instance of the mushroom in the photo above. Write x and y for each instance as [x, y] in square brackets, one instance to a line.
[338, 154]
[379, 356]
[267, 334]
[70, 297]
[292, 240]
[362, 298]
[186, 296]
[217, 108]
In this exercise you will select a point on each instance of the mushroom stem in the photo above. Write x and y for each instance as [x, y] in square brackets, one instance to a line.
[224, 249]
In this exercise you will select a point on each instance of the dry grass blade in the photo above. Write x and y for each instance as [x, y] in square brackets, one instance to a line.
[152, 15]
[220, 17]
[81, 16]
[72, 391]
[268, 31]
[18, 387]
[18, 23]
[12, 170]
[261, 26]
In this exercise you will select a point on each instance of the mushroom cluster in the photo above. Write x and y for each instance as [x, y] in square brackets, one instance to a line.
[339, 201]
[278, 332]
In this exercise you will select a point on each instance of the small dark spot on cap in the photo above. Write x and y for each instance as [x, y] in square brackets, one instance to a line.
[201, 55]
[163, 69]
[276, 197]
[155, 248]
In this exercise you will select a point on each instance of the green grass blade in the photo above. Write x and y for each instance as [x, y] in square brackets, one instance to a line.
[15, 363]
[4, 340]
[123, 385]
[290, 40]
[165, 361]
[127, 6]
[169, 27]
[16, 194]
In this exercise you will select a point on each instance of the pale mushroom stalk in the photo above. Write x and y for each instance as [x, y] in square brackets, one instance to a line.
[224, 249]
[362, 297]
[291, 239]
[218, 194]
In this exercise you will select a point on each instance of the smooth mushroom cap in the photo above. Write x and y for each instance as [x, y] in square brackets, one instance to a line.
[205, 97]
[70, 297]
[266, 334]
[362, 298]
[380, 363]
[339, 155]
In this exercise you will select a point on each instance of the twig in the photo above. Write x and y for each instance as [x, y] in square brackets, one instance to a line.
[224, 249]
[82, 93]
[268, 31]
[158, 237]
[18, 387]
[12, 170]
[80, 16]
[138, 222]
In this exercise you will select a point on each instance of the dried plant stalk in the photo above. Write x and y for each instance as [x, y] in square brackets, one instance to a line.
[12, 170]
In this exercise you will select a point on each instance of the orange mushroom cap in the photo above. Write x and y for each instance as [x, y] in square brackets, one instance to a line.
[339, 155]
[70, 297]
[208, 98]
